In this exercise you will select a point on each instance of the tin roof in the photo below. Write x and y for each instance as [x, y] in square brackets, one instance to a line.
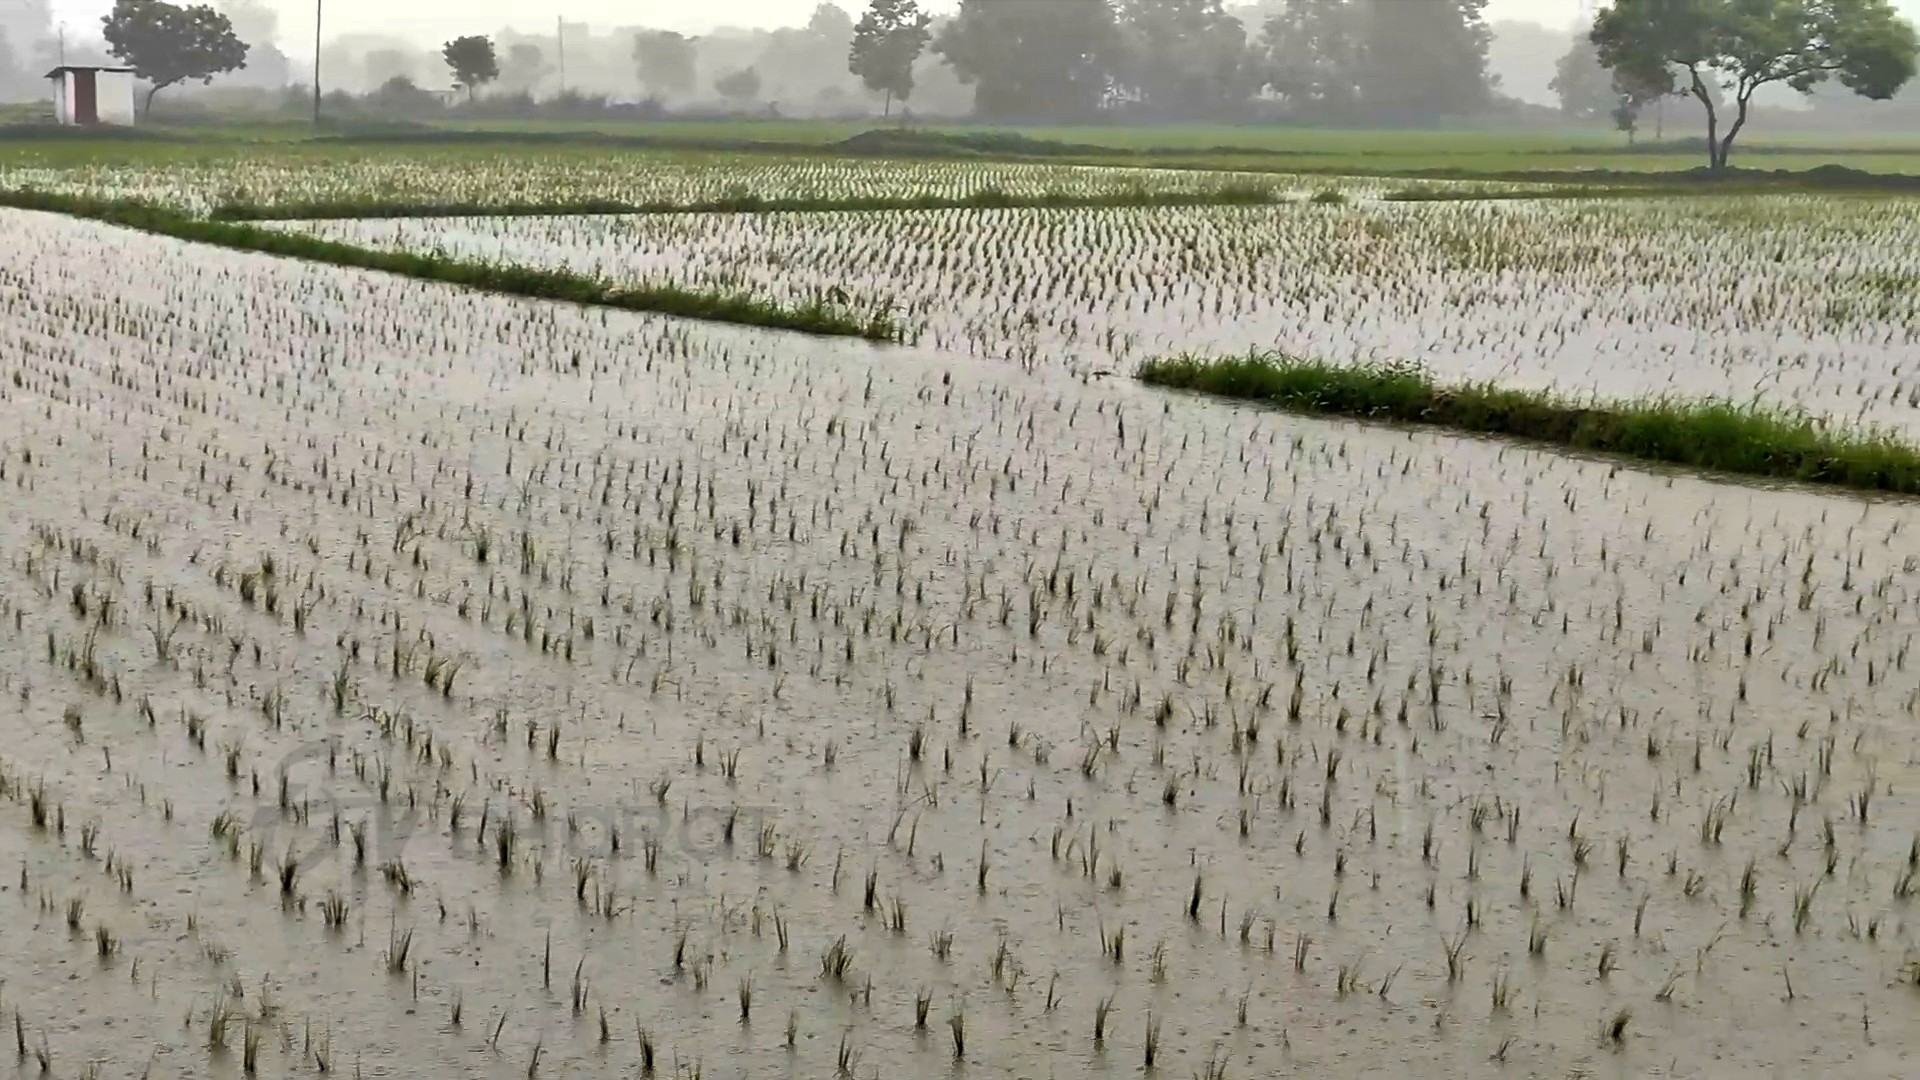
[65, 68]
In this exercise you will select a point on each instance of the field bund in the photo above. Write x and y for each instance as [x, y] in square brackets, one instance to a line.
[1714, 436]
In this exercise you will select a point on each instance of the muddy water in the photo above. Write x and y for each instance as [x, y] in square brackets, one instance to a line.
[691, 576]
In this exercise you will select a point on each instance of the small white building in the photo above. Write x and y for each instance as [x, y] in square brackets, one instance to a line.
[88, 96]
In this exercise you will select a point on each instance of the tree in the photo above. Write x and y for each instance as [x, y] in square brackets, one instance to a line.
[383, 66]
[166, 44]
[665, 63]
[1586, 90]
[1184, 58]
[1378, 61]
[739, 87]
[830, 22]
[1313, 56]
[1632, 93]
[1033, 59]
[886, 42]
[1423, 59]
[799, 63]
[525, 66]
[399, 96]
[472, 60]
[1738, 46]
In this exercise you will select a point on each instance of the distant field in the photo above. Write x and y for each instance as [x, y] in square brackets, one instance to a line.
[1287, 149]
[343, 180]
[1240, 148]
[1258, 138]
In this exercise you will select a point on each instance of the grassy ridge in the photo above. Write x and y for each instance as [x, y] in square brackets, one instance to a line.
[983, 199]
[816, 318]
[1712, 435]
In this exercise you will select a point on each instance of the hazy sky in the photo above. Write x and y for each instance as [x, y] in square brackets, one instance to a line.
[435, 20]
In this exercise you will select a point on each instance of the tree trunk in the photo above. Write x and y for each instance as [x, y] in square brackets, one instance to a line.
[887, 110]
[1739, 121]
[1714, 162]
[147, 110]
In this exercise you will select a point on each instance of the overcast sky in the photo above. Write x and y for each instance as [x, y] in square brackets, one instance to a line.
[435, 20]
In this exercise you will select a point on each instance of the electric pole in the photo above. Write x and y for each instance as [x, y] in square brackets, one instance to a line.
[560, 39]
[317, 6]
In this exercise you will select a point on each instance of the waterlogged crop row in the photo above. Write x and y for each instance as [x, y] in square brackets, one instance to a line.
[456, 685]
[521, 177]
[1807, 302]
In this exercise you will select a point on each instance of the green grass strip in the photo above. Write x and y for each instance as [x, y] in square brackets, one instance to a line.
[818, 317]
[983, 199]
[1710, 435]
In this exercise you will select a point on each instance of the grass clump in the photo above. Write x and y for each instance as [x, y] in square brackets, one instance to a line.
[1713, 435]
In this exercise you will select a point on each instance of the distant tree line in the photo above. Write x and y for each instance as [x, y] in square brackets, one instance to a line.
[627, 70]
[1332, 62]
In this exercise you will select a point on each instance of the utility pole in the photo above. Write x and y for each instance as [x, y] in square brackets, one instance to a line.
[317, 6]
[63, 44]
[560, 39]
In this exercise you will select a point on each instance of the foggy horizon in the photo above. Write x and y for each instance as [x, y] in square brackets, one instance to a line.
[356, 17]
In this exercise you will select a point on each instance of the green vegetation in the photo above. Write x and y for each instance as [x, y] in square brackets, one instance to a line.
[1714, 435]
[818, 317]
[886, 41]
[472, 60]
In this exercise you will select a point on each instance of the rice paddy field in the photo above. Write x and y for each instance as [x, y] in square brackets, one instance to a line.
[294, 181]
[1800, 301]
[646, 179]
[409, 680]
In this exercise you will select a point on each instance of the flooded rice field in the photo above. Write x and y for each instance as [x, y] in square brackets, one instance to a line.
[1805, 302]
[414, 682]
[452, 177]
